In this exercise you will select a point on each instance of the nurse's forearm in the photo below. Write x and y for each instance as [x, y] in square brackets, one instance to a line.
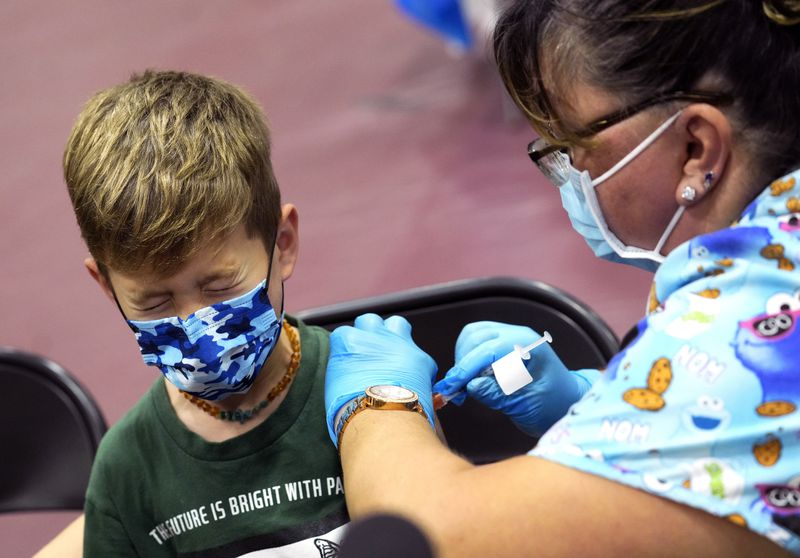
[393, 462]
[523, 506]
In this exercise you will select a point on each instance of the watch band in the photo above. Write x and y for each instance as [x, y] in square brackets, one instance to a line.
[369, 401]
[345, 414]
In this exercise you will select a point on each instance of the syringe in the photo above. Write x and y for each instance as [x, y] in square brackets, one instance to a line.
[510, 372]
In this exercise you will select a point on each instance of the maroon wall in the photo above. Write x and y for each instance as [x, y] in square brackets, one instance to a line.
[401, 157]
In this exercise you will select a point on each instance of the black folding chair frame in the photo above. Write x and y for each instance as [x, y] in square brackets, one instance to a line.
[51, 430]
[437, 314]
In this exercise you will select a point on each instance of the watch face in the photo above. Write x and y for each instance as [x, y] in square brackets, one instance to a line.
[392, 393]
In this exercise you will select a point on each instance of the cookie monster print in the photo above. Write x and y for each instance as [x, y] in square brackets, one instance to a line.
[783, 501]
[769, 345]
[721, 246]
[790, 223]
[707, 414]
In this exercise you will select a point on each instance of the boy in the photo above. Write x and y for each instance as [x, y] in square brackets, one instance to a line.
[171, 182]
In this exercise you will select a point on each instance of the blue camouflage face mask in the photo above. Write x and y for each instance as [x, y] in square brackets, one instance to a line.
[219, 350]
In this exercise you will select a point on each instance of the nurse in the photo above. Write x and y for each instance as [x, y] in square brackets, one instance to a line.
[671, 131]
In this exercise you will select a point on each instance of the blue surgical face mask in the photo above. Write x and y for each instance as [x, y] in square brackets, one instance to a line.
[579, 199]
[217, 351]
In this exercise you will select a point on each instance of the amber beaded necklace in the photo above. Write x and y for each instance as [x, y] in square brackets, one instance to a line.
[243, 415]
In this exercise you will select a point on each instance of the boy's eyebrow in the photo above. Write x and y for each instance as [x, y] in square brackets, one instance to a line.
[226, 273]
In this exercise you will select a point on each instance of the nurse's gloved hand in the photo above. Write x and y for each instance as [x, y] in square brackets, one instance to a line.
[535, 407]
[375, 352]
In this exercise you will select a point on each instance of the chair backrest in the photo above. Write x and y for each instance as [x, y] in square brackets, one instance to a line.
[438, 313]
[49, 435]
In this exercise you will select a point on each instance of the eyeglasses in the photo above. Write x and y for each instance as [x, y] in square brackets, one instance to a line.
[554, 161]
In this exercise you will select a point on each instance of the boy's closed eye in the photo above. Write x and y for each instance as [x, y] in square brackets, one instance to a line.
[222, 289]
[214, 293]
[149, 308]
[152, 307]
[223, 281]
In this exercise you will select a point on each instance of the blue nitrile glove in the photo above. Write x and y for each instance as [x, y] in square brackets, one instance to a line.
[375, 352]
[535, 407]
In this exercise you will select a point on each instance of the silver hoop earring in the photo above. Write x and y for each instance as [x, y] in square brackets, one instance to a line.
[688, 193]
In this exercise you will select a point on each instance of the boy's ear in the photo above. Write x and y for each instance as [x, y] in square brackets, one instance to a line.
[94, 270]
[287, 244]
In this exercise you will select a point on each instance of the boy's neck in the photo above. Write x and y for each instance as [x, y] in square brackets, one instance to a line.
[218, 430]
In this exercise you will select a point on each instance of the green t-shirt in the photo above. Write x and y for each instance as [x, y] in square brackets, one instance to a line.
[158, 489]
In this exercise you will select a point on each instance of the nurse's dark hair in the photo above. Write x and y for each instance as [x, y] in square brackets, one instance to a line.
[638, 50]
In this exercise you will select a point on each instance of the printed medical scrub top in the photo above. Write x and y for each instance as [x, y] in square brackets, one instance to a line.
[702, 407]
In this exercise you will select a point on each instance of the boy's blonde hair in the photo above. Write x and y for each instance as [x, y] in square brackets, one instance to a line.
[166, 164]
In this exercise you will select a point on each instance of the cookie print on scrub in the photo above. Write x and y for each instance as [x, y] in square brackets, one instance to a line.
[650, 398]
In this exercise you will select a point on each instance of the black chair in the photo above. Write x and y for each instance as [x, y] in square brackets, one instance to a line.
[438, 313]
[50, 431]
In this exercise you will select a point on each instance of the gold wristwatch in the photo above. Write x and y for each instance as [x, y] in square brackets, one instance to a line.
[386, 398]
